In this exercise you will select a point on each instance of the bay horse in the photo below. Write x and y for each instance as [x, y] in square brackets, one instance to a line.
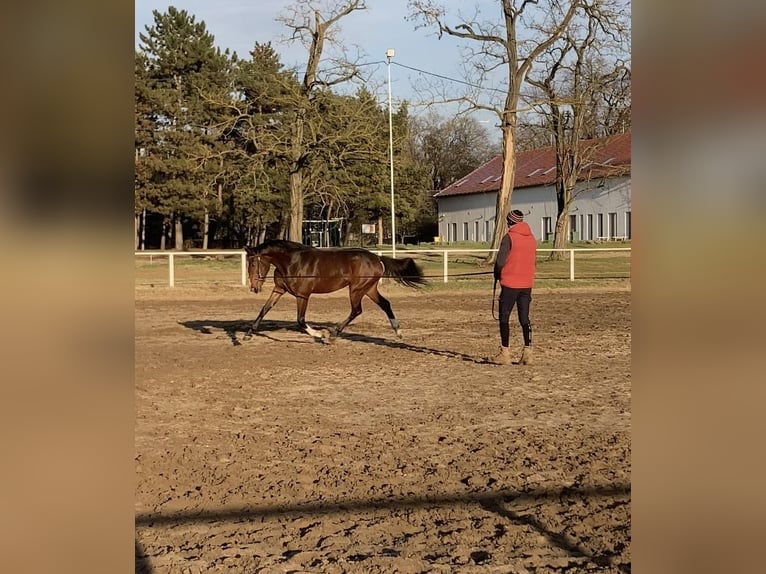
[302, 270]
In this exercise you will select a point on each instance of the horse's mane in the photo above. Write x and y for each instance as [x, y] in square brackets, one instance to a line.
[279, 245]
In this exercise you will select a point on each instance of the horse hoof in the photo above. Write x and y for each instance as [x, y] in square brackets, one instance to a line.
[398, 333]
[318, 333]
[329, 340]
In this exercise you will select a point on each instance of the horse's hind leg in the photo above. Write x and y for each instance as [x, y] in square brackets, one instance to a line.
[270, 302]
[355, 295]
[384, 304]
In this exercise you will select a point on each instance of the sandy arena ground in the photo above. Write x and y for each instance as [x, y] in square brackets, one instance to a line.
[282, 454]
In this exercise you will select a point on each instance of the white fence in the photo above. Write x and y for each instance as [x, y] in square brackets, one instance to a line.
[172, 255]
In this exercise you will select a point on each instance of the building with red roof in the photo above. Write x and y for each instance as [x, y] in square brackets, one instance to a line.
[600, 209]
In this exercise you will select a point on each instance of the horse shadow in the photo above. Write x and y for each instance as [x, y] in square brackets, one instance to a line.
[237, 331]
[233, 329]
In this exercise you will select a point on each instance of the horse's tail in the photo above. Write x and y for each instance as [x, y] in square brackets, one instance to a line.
[404, 271]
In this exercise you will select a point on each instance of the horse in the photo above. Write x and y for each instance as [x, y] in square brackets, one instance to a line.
[302, 270]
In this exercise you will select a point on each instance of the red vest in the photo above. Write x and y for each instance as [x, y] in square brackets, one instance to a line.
[519, 269]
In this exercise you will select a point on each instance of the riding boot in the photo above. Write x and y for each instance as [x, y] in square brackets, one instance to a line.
[503, 357]
[526, 356]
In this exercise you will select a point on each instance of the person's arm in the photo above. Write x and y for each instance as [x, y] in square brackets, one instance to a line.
[502, 255]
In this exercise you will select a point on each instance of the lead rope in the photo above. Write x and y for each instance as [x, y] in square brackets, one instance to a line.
[494, 290]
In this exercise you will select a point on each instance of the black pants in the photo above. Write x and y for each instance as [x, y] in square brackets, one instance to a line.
[521, 298]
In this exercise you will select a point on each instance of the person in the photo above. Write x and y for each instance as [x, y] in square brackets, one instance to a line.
[515, 269]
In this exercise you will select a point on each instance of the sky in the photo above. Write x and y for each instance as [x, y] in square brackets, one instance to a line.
[238, 24]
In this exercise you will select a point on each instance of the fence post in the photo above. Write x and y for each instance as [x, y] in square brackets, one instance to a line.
[445, 265]
[244, 268]
[571, 264]
[171, 270]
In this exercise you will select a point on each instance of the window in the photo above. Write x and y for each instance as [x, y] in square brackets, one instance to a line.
[465, 231]
[601, 234]
[476, 230]
[547, 228]
[452, 232]
[590, 227]
[628, 230]
[612, 225]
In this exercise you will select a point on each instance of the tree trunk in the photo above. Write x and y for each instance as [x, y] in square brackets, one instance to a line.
[295, 231]
[560, 234]
[219, 205]
[380, 230]
[566, 179]
[143, 229]
[138, 232]
[220, 188]
[164, 234]
[281, 230]
[205, 229]
[179, 233]
[503, 205]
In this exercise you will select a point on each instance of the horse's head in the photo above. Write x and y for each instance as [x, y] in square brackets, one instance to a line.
[257, 269]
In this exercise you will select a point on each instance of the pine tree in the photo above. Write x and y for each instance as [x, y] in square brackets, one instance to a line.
[182, 65]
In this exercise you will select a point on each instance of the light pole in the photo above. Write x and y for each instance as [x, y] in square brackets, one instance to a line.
[390, 54]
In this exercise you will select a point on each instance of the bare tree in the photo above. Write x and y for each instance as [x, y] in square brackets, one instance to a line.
[526, 29]
[314, 30]
[450, 147]
[575, 78]
[285, 120]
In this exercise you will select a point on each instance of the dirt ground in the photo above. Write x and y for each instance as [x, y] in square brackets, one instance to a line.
[375, 454]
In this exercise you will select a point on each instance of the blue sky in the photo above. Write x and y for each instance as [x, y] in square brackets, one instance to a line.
[238, 24]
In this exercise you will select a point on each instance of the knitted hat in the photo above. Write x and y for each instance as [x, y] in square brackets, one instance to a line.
[514, 217]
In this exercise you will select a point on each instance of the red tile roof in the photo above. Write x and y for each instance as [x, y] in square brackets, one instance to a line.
[610, 157]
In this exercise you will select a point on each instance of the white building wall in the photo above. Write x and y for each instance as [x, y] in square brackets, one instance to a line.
[610, 199]
[456, 212]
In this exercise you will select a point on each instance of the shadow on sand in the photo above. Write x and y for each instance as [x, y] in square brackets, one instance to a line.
[236, 330]
[497, 502]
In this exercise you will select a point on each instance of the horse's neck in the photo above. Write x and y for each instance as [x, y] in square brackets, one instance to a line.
[278, 257]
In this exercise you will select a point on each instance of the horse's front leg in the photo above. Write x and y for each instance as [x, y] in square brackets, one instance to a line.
[302, 304]
[270, 302]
